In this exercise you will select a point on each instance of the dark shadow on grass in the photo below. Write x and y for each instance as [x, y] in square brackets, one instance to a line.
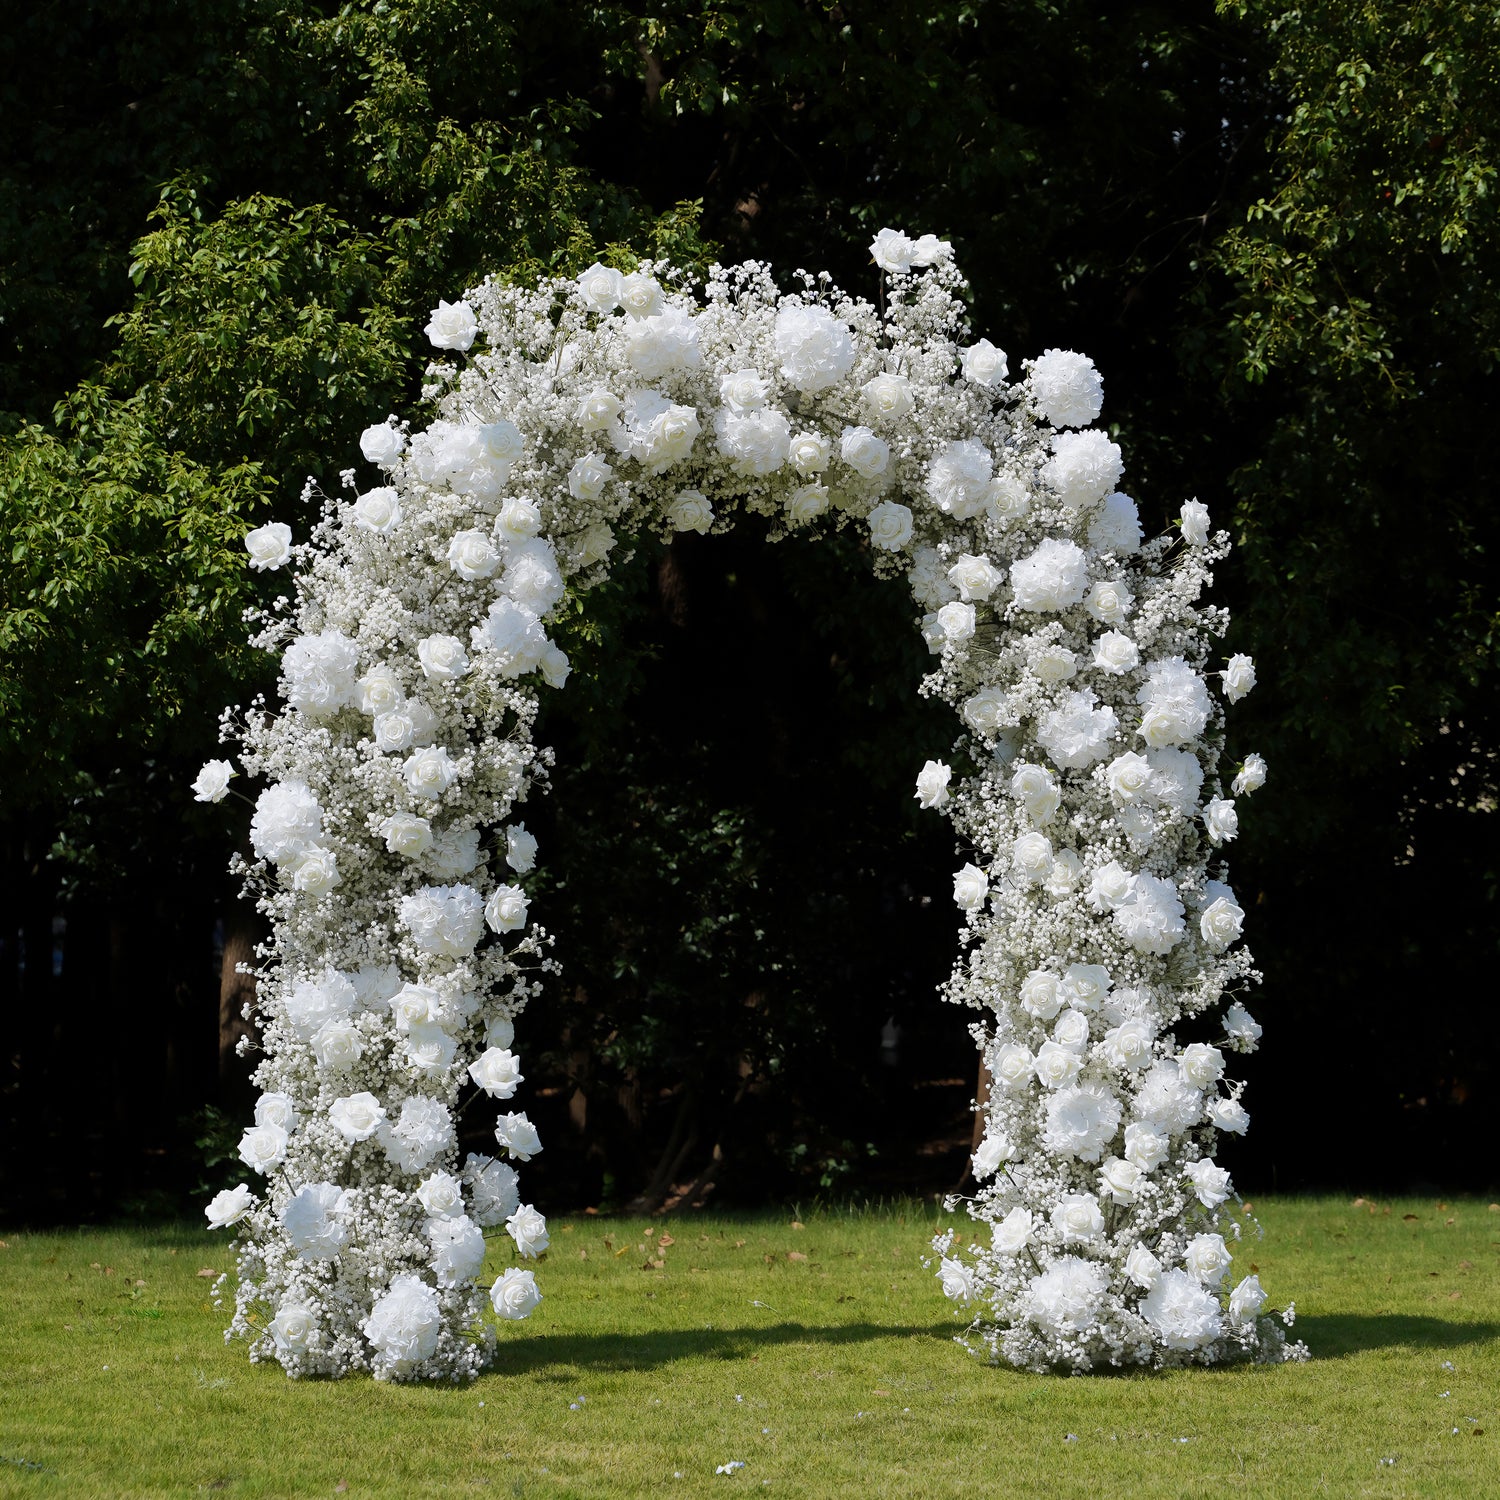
[569, 1352]
[1335, 1335]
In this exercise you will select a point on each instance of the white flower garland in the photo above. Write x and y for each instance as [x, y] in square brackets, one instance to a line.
[1098, 926]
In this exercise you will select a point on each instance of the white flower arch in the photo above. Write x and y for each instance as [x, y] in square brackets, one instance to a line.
[389, 861]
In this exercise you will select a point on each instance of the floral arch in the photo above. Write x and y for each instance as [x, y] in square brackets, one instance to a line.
[1099, 932]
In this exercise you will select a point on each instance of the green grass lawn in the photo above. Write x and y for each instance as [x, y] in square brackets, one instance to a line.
[820, 1355]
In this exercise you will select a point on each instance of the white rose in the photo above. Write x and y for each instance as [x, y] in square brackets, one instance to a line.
[497, 1072]
[276, 1109]
[1207, 1257]
[472, 555]
[1201, 1065]
[956, 1279]
[1145, 1146]
[229, 1207]
[500, 1031]
[1008, 499]
[263, 1147]
[380, 691]
[599, 288]
[1031, 856]
[452, 326]
[505, 911]
[377, 510]
[292, 1328]
[1056, 1065]
[1142, 1267]
[887, 397]
[971, 887]
[1128, 1045]
[337, 1044]
[994, 1150]
[1035, 789]
[957, 623]
[314, 872]
[270, 547]
[441, 1195]
[985, 710]
[518, 1135]
[690, 511]
[1071, 1030]
[930, 250]
[1013, 1233]
[1251, 777]
[893, 251]
[1194, 523]
[1116, 654]
[429, 772]
[1243, 1030]
[587, 477]
[554, 665]
[1128, 777]
[1086, 986]
[519, 519]
[864, 452]
[443, 658]
[595, 543]
[1229, 1115]
[393, 731]
[975, 577]
[528, 1229]
[1120, 1180]
[932, 784]
[520, 848]
[1239, 677]
[640, 295]
[1210, 1182]
[382, 444]
[1109, 886]
[1041, 994]
[1221, 923]
[890, 525]
[806, 503]
[356, 1117]
[1077, 1219]
[1054, 664]
[810, 453]
[1109, 602]
[1012, 1065]
[984, 364]
[212, 782]
[515, 1294]
[744, 390]
[1221, 820]
[1246, 1301]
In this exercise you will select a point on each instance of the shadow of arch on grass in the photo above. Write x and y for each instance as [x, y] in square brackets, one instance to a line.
[567, 1353]
[1337, 1335]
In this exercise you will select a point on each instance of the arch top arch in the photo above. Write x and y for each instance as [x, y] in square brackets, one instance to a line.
[1100, 945]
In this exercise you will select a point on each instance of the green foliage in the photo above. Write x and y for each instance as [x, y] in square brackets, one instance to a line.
[122, 589]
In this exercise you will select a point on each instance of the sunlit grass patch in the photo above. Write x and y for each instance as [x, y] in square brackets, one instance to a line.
[817, 1353]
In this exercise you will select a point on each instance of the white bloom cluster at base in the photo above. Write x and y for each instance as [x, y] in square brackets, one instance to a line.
[1100, 936]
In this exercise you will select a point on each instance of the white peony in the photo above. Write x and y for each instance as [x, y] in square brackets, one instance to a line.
[1066, 388]
[457, 1249]
[1078, 732]
[815, 348]
[494, 1192]
[1181, 1311]
[1151, 916]
[419, 1135]
[1083, 469]
[958, 478]
[318, 673]
[1116, 526]
[403, 1327]
[314, 1220]
[1081, 1120]
[446, 920]
[1052, 578]
[1065, 1298]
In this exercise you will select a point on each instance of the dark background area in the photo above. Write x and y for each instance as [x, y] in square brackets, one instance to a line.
[221, 227]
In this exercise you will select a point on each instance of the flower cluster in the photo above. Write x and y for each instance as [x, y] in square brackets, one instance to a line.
[1100, 935]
